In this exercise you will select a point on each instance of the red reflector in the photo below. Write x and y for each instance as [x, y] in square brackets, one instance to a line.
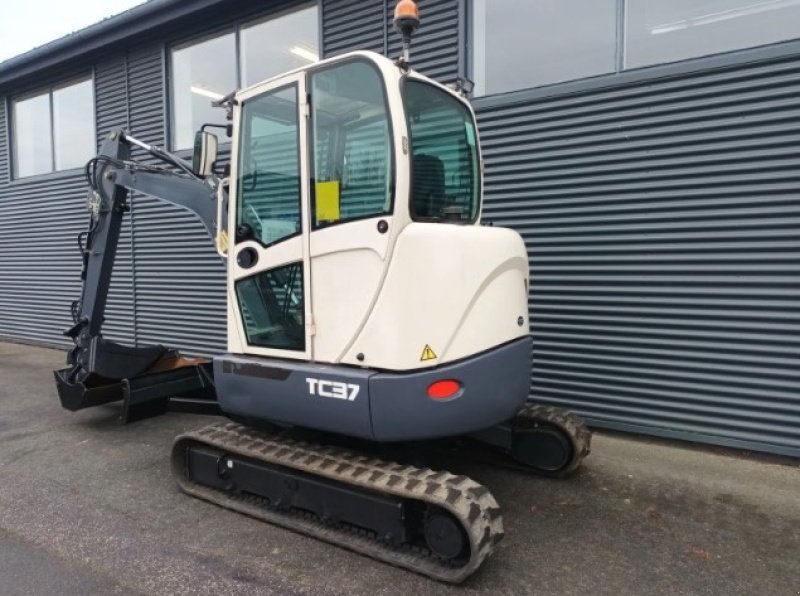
[443, 389]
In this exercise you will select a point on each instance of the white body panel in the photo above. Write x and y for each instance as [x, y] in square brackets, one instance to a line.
[349, 261]
[459, 290]
[348, 265]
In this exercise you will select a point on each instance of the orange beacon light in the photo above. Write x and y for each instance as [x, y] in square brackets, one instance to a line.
[406, 21]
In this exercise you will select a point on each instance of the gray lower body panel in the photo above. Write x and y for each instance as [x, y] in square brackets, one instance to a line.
[494, 385]
[289, 392]
[376, 405]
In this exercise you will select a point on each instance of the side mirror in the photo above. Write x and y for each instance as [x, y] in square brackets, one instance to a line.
[205, 153]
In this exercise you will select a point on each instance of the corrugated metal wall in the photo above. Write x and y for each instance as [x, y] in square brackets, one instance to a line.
[180, 279]
[661, 210]
[435, 46]
[172, 292]
[4, 150]
[111, 105]
[350, 25]
[40, 218]
[662, 218]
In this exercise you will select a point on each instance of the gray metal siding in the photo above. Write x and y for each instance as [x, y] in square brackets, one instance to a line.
[111, 107]
[350, 25]
[168, 283]
[39, 259]
[662, 219]
[4, 140]
[180, 280]
[661, 211]
[435, 45]
[40, 218]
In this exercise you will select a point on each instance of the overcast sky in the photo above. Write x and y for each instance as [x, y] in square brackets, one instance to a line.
[32, 23]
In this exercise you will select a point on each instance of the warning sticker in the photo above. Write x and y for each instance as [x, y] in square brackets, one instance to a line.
[428, 354]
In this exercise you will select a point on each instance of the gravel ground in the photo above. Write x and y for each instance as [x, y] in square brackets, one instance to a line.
[87, 506]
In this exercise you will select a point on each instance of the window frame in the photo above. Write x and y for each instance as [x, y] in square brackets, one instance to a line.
[254, 278]
[11, 119]
[470, 54]
[292, 85]
[312, 147]
[621, 75]
[234, 27]
[478, 183]
[626, 41]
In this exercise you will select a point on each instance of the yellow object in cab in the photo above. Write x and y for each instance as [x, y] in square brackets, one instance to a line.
[327, 201]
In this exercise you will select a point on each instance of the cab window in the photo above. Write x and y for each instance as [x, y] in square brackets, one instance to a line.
[445, 180]
[269, 181]
[351, 138]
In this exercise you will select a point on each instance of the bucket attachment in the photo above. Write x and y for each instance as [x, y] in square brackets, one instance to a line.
[94, 391]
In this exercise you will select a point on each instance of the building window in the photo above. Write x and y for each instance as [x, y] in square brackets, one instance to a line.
[527, 44]
[657, 31]
[54, 130]
[279, 44]
[201, 73]
[207, 70]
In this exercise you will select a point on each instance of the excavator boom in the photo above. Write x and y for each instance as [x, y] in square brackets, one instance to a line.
[100, 370]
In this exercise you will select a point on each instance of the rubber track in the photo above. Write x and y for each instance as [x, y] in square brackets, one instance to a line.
[530, 416]
[471, 503]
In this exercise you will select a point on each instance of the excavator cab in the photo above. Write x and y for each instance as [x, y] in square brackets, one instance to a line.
[330, 165]
[353, 211]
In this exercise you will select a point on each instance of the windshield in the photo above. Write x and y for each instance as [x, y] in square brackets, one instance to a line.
[445, 180]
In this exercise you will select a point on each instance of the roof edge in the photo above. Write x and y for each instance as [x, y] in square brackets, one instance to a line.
[116, 28]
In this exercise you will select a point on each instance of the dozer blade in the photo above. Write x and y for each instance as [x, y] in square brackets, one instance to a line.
[434, 523]
[184, 385]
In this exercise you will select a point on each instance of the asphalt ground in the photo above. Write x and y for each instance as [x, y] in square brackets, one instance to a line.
[88, 506]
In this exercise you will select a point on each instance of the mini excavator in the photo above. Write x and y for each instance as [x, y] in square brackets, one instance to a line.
[366, 304]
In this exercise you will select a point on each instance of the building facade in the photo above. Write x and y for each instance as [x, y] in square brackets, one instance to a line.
[648, 151]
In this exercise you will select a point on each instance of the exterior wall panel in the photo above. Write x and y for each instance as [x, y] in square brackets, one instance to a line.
[435, 45]
[40, 219]
[40, 264]
[111, 105]
[349, 25]
[180, 279]
[5, 131]
[661, 218]
[111, 95]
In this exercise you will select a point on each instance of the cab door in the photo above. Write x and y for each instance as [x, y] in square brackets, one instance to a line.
[269, 280]
[353, 225]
